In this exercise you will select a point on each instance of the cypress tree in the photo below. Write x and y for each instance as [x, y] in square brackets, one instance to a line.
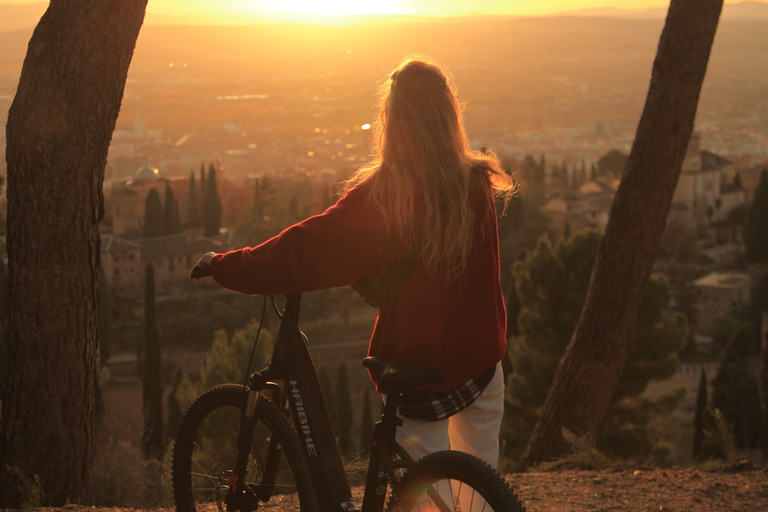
[171, 224]
[756, 230]
[324, 376]
[211, 205]
[202, 188]
[366, 425]
[173, 407]
[699, 419]
[152, 387]
[194, 202]
[344, 409]
[153, 215]
[735, 390]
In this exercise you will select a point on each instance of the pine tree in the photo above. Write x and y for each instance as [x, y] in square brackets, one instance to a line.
[699, 419]
[194, 202]
[324, 376]
[171, 223]
[3, 323]
[366, 425]
[153, 215]
[737, 180]
[735, 390]
[152, 386]
[211, 205]
[344, 409]
[551, 285]
[105, 318]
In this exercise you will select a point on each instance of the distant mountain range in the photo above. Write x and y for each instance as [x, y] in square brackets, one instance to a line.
[25, 16]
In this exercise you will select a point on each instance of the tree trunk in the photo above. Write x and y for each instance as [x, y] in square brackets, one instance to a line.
[59, 128]
[587, 376]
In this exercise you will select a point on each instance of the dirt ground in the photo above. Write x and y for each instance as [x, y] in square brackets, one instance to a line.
[738, 488]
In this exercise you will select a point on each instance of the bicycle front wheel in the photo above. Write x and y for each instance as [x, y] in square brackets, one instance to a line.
[204, 455]
[454, 481]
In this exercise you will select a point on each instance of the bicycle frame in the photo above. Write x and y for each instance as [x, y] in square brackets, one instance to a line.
[292, 363]
[301, 392]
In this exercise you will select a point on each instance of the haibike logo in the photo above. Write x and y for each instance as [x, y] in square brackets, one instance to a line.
[303, 419]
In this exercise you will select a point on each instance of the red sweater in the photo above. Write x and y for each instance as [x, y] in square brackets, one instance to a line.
[457, 326]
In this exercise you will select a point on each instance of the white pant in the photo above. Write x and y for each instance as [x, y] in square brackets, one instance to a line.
[475, 429]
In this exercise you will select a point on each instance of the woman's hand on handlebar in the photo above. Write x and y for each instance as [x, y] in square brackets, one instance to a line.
[203, 266]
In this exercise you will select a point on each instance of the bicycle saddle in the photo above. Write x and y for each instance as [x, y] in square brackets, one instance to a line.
[399, 378]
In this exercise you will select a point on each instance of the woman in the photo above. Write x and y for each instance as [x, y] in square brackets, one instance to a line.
[427, 197]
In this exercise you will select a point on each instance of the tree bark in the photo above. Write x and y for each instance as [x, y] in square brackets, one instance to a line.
[588, 373]
[59, 129]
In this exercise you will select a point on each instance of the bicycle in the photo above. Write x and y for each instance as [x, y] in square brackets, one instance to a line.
[238, 449]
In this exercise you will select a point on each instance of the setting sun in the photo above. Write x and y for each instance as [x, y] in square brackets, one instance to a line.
[334, 7]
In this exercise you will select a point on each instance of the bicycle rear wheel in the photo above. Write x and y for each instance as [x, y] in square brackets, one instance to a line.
[454, 481]
[205, 451]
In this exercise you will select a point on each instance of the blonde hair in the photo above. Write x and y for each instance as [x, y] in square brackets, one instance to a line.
[422, 162]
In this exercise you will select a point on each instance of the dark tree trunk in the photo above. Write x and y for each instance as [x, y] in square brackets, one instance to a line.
[590, 369]
[59, 128]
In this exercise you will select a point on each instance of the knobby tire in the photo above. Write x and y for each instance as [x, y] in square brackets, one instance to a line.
[205, 450]
[464, 483]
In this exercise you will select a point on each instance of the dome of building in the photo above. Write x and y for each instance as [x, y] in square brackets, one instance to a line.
[147, 173]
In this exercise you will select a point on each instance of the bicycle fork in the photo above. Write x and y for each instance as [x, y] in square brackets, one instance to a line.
[239, 492]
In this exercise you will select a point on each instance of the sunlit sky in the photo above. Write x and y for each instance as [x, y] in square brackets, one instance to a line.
[415, 7]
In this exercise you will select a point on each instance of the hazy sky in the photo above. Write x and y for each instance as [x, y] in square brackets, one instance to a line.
[425, 7]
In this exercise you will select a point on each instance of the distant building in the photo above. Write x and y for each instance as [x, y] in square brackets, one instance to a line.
[703, 194]
[720, 294]
[124, 202]
[172, 257]
[750, 179]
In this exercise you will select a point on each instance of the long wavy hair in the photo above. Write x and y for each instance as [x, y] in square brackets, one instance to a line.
[423, 175]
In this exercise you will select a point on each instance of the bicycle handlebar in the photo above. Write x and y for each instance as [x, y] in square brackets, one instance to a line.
[203, 266]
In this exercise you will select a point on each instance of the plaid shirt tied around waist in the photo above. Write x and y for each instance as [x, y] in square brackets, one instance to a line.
[436, 406]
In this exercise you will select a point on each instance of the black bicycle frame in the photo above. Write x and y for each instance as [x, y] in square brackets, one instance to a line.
[301, 389]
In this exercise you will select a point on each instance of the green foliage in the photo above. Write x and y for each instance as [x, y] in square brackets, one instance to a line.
[702, 403]
[173, 407]
[153, 215]
[736, 390]
[719, 435]
[152, 386]
[229, 357]
[756, 230]
[212, 209]
[120, 477]
[27, 491]
[724, 331]
[344, 409]
[584, 456]
[612, 163]
[366, 424]
[171, 222]
[551, 284]
[627, 433]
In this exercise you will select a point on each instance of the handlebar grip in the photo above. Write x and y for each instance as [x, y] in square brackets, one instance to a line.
[200, 270]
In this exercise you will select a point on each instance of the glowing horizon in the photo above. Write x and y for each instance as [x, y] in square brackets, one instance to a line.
[385, 7]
